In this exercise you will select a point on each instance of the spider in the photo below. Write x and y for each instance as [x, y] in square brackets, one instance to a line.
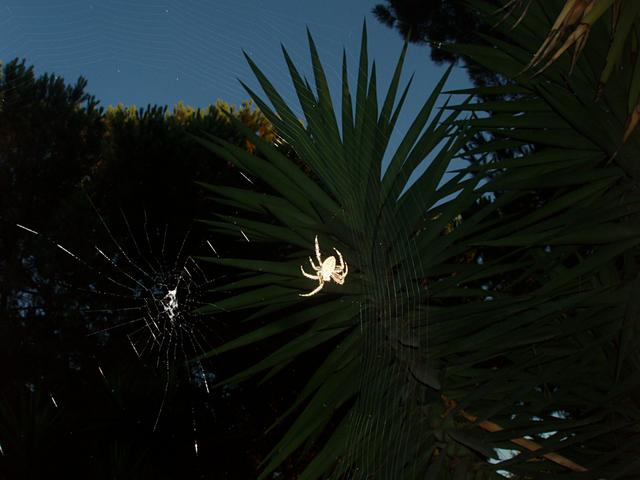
[326, 270]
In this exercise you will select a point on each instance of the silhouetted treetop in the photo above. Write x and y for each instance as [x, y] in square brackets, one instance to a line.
[437, 22]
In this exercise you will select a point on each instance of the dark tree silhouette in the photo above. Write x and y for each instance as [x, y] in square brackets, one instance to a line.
[436, 23]
[58, 415]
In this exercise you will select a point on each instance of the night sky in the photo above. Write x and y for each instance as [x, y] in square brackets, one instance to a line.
[161, 52]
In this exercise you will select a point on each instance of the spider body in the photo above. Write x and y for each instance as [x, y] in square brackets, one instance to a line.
[326, 270]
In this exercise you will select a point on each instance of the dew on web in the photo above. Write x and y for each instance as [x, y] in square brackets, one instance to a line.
[214, 250]
[247, 178]
[195, 432]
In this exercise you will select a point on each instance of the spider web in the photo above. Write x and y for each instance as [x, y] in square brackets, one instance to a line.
[383, 428]
[393, 324]
[154, 297]
[144, 293]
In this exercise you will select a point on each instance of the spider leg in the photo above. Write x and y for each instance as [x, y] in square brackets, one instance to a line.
[313, 292]
[339, 279]
[318, 252]
[344, 268]
[315, 277]
[313, 265]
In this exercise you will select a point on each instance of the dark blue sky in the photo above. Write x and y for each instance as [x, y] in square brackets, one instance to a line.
[162, 51]
[143, 51]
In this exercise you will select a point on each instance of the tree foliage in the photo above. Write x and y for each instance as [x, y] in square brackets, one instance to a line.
[382, 227]
[437, 23]
[489, 308]
[58, 147]
[430, 366]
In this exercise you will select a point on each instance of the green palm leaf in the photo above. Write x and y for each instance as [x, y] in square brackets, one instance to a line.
[350, 208]
[582, 240]
[514, 309]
